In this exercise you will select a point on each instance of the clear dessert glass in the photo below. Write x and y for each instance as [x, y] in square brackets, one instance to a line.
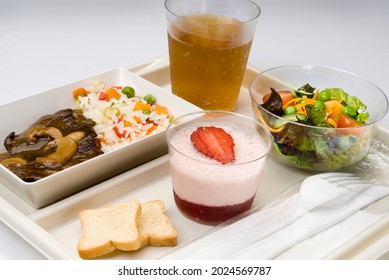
[204, 189]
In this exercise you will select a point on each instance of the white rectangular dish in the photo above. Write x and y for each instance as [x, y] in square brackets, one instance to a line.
[54, 230]
[75, 178]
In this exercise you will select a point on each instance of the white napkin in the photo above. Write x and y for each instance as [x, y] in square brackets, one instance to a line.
[313, 222]
[266, 233]
[343, 239]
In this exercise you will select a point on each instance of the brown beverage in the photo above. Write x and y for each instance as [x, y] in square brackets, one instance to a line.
[208, 59]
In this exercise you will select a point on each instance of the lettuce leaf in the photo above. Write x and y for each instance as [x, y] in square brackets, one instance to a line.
[353, 101]
[316, 116]
[348, 100]
[274, 103]
[362, 117]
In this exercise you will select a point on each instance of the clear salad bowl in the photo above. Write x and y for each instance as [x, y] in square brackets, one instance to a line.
[306, 137]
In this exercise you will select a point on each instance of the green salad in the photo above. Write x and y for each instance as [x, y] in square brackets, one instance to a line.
[313, 144]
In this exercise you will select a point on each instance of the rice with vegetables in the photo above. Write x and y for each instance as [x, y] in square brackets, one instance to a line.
[122, 115]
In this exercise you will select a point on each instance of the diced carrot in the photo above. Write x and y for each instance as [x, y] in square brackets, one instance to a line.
[127, 123]
[112, 93]
[151, 129]
[159, 109]
[137, 119]
[141, 106]
[80, 92]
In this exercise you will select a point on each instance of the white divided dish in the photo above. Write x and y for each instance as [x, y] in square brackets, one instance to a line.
[68, 181]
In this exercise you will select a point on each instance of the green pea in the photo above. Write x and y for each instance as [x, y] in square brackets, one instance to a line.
[350, 111]
[324, 96]
[319, 105]
[290, 110]
[146, 112]
[149, 98]
[128, 91]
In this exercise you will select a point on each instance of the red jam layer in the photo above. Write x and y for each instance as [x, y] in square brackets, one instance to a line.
[211, 214]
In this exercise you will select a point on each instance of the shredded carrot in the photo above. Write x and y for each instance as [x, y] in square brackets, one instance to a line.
[293, 101]
[300, 108]
[333, 112]
[316, 94]
[265, 124]
[300, 103]
[307, 100]
[141, 106]
[331, 122]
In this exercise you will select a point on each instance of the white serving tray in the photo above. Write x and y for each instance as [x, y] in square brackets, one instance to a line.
[54, 230]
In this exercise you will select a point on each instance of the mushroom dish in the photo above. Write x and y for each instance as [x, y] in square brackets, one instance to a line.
[51, 144]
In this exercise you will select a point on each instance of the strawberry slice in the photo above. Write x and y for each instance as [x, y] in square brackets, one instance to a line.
[214, 142]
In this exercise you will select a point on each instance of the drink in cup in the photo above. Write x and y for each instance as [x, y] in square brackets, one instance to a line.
[209, 45]
[216, 163]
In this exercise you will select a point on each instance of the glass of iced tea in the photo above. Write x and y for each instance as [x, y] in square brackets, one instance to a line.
[209, 45]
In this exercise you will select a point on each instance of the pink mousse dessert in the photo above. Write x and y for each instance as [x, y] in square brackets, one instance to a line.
[216, 162]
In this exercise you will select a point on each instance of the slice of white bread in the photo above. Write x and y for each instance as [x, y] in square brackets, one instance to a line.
[127, 226]
[155, 227]
[108, 228]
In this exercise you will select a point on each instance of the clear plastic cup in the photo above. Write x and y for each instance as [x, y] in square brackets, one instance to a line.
[204, 189]
[209, 45]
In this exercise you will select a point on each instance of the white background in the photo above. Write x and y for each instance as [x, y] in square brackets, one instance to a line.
[45, 44]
